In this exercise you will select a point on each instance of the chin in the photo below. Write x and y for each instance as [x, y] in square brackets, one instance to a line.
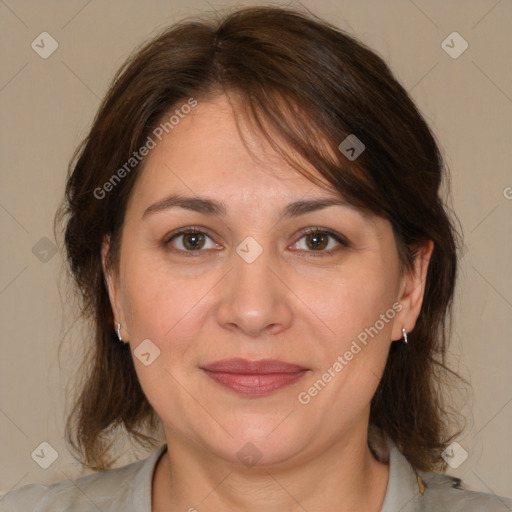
[260, 443]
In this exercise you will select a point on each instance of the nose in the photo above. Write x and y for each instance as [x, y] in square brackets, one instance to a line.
[255, 299]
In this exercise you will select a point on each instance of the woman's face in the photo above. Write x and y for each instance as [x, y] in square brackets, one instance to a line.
[253, 284]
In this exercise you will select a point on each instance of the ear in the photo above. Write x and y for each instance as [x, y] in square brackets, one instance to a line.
[112, 284]
[412, 290]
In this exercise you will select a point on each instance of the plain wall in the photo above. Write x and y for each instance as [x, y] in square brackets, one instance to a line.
[47, 106]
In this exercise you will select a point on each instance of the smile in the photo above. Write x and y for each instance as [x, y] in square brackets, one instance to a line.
[254, 378]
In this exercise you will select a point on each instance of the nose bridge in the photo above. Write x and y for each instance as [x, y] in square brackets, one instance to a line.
[253, 282]
[255, 298]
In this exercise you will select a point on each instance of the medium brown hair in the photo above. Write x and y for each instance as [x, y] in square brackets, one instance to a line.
[305, 85]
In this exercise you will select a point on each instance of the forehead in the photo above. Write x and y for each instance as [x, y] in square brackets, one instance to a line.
[205, 153]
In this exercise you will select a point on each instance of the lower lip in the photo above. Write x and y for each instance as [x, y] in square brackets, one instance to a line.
[255, 384]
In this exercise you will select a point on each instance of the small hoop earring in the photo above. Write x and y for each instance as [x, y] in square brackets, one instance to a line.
[119, 332]
[404, 335]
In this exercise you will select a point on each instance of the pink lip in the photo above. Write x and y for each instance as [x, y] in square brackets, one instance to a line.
[254, 377]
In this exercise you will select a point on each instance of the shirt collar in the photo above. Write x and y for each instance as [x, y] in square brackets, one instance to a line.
[404, 483]
[142, 489]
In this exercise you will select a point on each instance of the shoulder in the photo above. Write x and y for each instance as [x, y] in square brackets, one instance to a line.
[444, 493]
[78, 495]
[125, 488]
[419, 491]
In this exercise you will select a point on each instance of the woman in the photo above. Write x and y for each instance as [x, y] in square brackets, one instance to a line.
[255, 227]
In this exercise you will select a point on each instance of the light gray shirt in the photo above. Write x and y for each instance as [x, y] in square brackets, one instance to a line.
[128, 489]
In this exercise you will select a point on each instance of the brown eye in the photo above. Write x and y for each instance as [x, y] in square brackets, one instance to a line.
[317, 241]
[190, 240]
[193, 241]
[320, 242]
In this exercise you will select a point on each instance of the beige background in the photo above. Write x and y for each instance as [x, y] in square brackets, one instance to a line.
[48, 104]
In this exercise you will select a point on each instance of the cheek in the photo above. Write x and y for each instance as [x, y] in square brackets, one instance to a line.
[161, 306]
[158, 301]
[359, 308]
[355, 298]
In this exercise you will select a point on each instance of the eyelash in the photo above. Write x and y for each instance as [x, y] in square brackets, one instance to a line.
[309, 231]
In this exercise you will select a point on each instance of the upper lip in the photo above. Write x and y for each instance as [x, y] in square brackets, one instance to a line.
[245, 366]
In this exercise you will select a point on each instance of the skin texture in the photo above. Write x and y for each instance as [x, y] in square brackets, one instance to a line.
[289, 304]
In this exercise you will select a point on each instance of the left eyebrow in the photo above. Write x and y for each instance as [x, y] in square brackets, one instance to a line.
[213, 207]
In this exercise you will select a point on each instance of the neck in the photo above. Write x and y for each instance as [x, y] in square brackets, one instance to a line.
[345, 477]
